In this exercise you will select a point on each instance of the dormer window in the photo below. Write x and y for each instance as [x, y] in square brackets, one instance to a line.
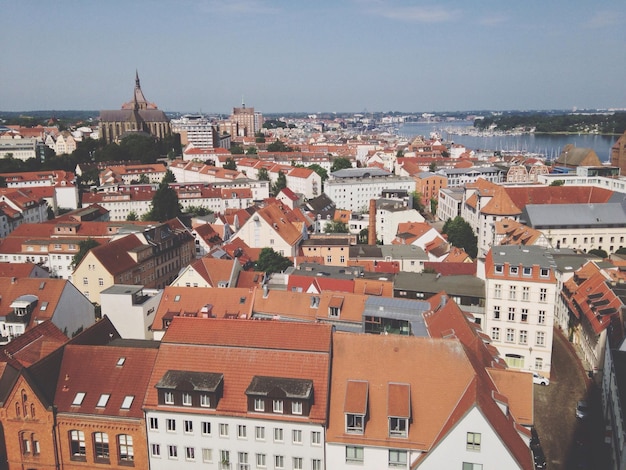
[277, 406]
[287, 396]
[513, 270]
[499, 269]
[355, 406]
[399, 409]
[259, 404]
[527, 271]
[185, 388]
[334, 306]
[168, 398]
[78, 399]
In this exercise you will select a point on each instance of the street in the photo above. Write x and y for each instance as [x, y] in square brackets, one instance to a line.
[569, 442]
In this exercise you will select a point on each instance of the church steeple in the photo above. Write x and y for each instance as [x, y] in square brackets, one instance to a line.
[137, 85]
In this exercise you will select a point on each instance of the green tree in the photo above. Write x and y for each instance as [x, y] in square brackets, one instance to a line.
[279, 146]
[400, 153]
[3, 182]
[83, 248]
[621, 251]
[259, 138]
[168, 177]
[198, 211]
[281, 182]
[418, 204]
[319, 170]
[363, 236]
[132, 216]
[599, 253]
[165, 204]
[230, 164]
[433, 205]
[336, 226]
[432, 167]
[143, 179]
[272, 262]
[557, 183]
[263, 174]
[236, 148]
[461, 235]
[340, 163]
[251, 150]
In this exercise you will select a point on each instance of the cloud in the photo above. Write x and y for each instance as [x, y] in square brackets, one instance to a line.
[411, 14]
[604, 18]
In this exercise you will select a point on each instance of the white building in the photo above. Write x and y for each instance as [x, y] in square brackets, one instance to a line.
[520, 300]
[131, 309]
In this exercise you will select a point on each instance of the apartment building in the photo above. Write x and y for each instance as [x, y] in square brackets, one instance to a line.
[520, 300]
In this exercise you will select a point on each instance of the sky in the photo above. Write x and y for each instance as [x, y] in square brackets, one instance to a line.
[314, 56]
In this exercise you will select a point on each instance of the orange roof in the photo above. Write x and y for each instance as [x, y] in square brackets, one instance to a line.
[47, 291]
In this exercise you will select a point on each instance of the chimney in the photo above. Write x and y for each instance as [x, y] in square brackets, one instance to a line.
[371, 230]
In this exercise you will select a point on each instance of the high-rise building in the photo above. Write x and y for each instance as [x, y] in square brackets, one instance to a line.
[248, 122]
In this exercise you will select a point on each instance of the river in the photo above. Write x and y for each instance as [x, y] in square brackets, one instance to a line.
[549, 145]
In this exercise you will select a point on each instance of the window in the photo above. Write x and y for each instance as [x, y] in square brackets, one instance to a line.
[277, 406]
[525, 293]
[538, 363]
[540, 339]
[100, 281]
[316, 438]
[527, 271]
[241, 431]
[259, 433]
[510, 335]
[223, 430]
[513, 270]
[188, 425]
[543, 294]
[296, 408]
[495, 333]
[170, 424]
[261, 460]
[77, 445]
[354, 454]
[316, 464]
[279, 461]
[397, 458]
[511, 314]
[225, 458]
[172, 452]
[259, 404]
[523, 337]
[497, 291]
[545, 272]
[207, 455]
[78, 399]
[398, 427]
[101, 445]
[155, 450]
[541, 317]
[296, 435]
[329, 259]
[472, 466]
[125, 447]
[154, 424]
[186, 399]
[278, 435]
[496, 312]
[85, 281]
[205, 400]
[168, 397]
[25, 438]
[499, 269]
[206, 428]
[297, 463]
[128, 401]
[473, 441]
[524, 318]
[512, 292]
[190, 453]
[354, 423]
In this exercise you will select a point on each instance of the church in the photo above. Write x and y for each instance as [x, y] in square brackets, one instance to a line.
[137, 115]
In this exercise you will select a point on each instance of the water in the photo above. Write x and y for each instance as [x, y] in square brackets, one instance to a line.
[548, 145]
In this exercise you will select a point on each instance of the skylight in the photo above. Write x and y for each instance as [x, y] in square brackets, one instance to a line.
[121, 361]
[78, 399]
[128, 401]
[102, 402]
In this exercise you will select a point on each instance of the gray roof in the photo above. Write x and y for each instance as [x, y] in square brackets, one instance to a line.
[461, 285]
[399, 252]
[545, 216]
[121, 289]
[526, 255]
[366, 251]
[360, 173]
[197, 381]
[123, 115]
[399, 309]
[321, 270]
[290, 388]
[477, 170]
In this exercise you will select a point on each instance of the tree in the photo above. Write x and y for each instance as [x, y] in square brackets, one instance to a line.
[281, 183]
[418, 204]
[143, 179]
[363, 236]
[236, 149]
[230, 164]
[432, 167]
[259, 137]
[198, 211]
[263, 174]
[599, 253]
[279, 146]
[336, 226]
[340, 163]
[132, 216]
[433, 205]
[83, 248]
[251, 150]
[461, 235]
[272, 262]
[400, 153]
[3, 182]
[319, 170]
[168, 177]
[621, 251]
[165, 204]
[557, 183]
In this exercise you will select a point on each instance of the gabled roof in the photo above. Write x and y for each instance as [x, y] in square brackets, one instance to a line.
[46, 294]
[33, 345]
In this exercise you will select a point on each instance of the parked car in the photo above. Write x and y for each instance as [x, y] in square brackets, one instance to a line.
[538, 455]
[582, 409]
[540, 379]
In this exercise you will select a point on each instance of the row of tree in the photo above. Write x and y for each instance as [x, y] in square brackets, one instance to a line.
[557, 123]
